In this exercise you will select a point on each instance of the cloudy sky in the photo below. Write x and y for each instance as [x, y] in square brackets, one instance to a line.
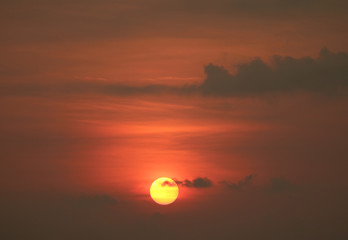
[242, 102]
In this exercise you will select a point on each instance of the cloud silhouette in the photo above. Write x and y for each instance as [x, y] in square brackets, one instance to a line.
[242, 183]
[168, 183]
[327, 74]
[200, 182]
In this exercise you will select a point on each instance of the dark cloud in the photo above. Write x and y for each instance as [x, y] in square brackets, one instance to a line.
[327, 74]
[200, 182]
[242, 183]
[168, 183]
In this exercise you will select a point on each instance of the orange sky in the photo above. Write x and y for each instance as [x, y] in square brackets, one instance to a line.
[100, 98]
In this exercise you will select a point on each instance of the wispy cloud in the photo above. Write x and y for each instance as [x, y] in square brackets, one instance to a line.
[240, 184]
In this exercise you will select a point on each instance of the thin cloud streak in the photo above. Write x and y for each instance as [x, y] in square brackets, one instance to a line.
[327, 74]
[239, 185]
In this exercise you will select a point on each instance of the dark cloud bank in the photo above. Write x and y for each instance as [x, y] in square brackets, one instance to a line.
[327, 74]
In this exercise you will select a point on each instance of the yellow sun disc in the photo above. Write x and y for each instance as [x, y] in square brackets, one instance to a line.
[164, 191]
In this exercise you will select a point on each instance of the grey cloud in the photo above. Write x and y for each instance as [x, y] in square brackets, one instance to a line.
[327, 74]
[200, 182]
[239, 185]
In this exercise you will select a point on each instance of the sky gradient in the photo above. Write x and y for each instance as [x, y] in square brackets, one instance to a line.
[243, 103]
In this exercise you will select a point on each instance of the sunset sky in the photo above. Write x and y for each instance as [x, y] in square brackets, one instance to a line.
[242, 102]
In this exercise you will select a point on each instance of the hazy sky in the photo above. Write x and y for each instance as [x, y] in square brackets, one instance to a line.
[246, 100]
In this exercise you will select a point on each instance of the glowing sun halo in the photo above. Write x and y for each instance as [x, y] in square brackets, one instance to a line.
[164, 191]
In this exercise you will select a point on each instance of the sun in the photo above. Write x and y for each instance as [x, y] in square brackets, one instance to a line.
[164, 191]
